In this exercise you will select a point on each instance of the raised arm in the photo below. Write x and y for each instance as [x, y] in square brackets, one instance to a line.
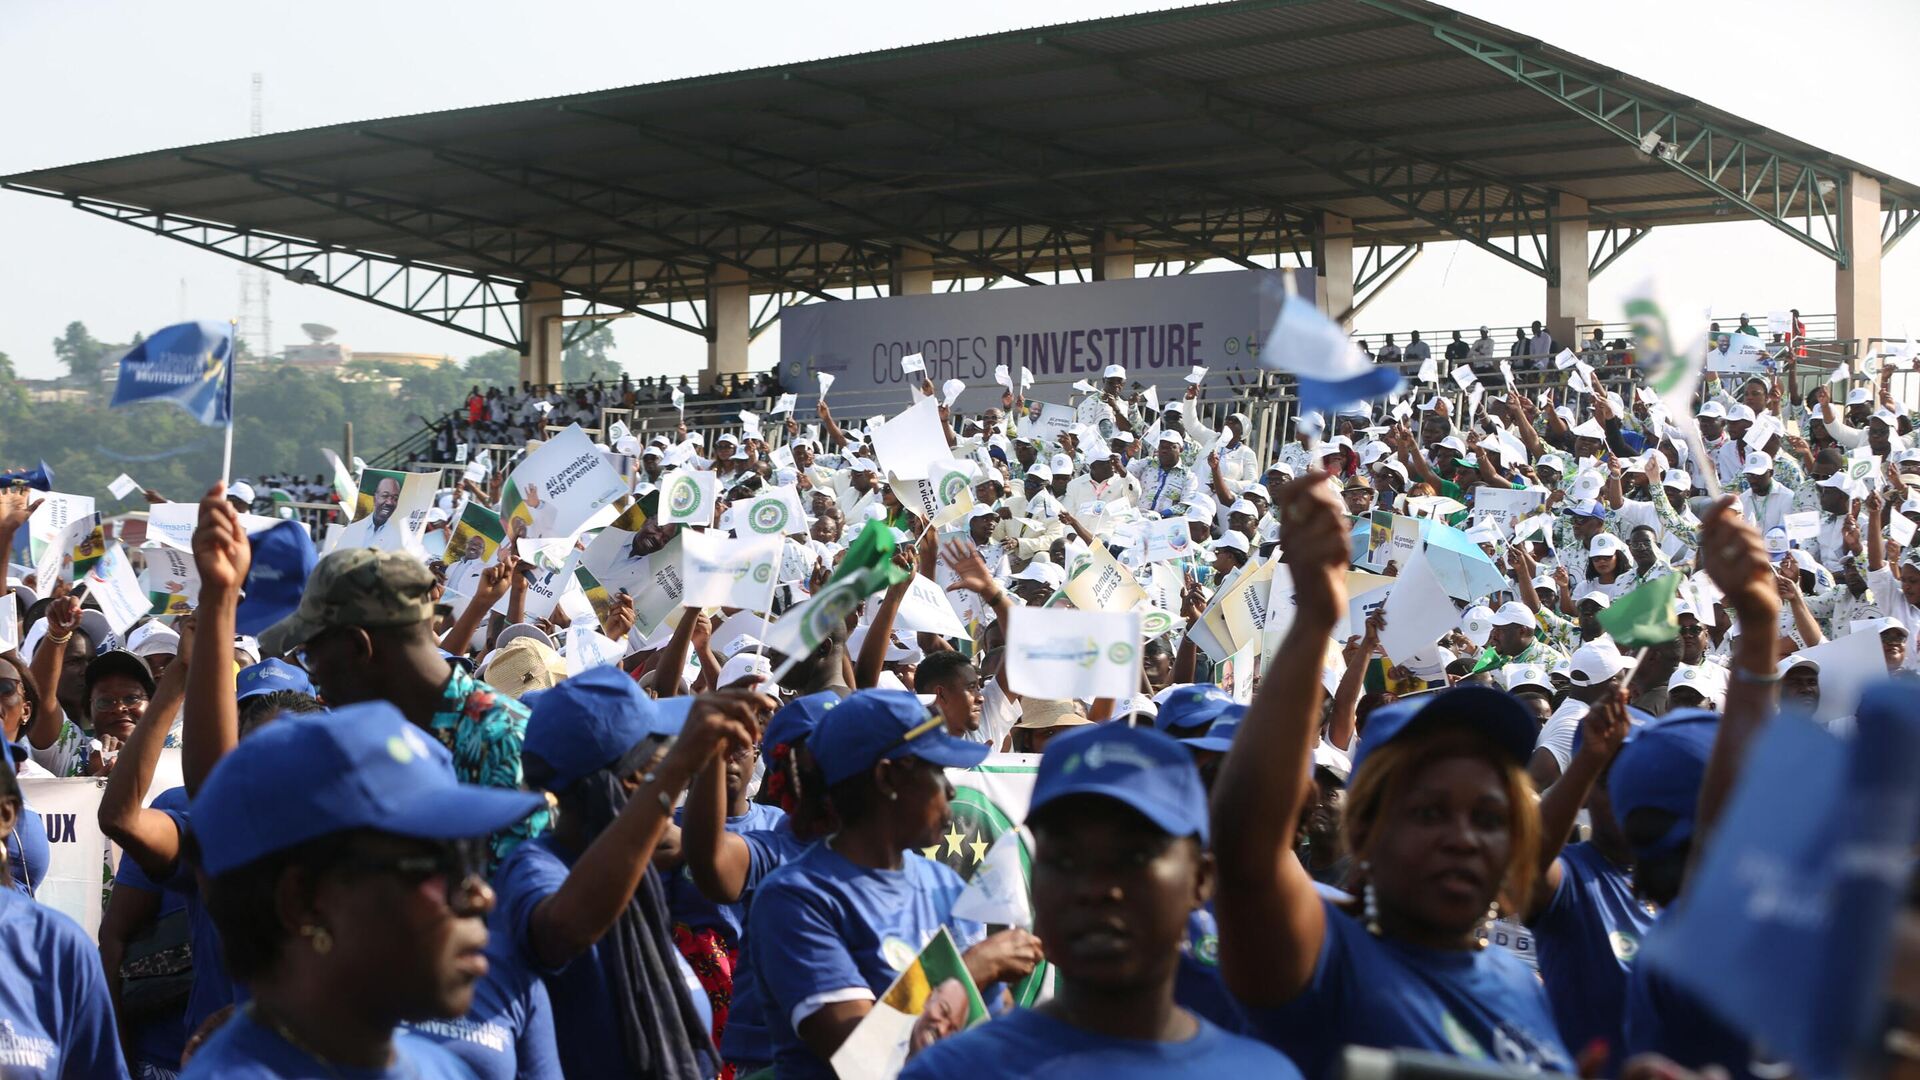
[717, 860]
[1602, 731]
[1266, 903]
[148, 835]
[487, 591]
[673, 656]
[581, 911]
[828, 424]
[1736, 561]
[222, 556]
[1346, 698]
[970, 573]
[1876, 537]
[873, 651]
[49, 660]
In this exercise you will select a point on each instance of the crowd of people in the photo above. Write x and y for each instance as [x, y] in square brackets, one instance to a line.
[416, 837]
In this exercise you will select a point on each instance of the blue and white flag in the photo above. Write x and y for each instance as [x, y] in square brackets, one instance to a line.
[1332, 371]
[1786, 928]
[189, 364]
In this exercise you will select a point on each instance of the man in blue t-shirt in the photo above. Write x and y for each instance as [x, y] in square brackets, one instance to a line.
[1119, 820]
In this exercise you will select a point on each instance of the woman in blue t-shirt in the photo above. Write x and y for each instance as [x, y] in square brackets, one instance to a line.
[1441, 820]
[583, 904]
[1119, 820]
[55, 1016]
[345, 869]
[830, 930]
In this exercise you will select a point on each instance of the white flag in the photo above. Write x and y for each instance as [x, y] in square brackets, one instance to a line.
[784, 405]
[1165, 538]
[113, 584]
[688, 497]
[720, 571]
[912, 362]
[589, 648]
[997, 893]
[776, 512]
[680, 402]
[826, 381]
[1064, 653]
[950, 391]
[123, 486]
[1001, 376]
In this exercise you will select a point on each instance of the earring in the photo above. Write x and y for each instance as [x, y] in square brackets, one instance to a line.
[893, 796]
[1370, 905]
[1485, 934]
[318, 937]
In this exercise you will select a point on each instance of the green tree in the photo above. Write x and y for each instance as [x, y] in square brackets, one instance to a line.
[81, 353]
[499, 367]
[586, 359]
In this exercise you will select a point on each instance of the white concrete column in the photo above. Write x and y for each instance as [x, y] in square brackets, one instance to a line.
[729, 318]
[1333, 266]
[1112, 257]
[1567, 259]
[910, 273]
[1856, 286]
[542, 334]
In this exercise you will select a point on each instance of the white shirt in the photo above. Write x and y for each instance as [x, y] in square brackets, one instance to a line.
[1556, 736]
[1767, 511]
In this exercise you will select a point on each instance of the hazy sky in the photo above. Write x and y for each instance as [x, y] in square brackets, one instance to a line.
[102, 78]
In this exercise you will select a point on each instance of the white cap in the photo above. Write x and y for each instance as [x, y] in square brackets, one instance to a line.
[1545, 581]
[1595, 663]
[1038, 471]
[241, 490]
[1738, 412]
[860, 464]
[1705, 678]
[522, 630]
[752, 666]
[1061, 463]
[1455, 444]
[1712, 410]
[1514, 613]
[1885, 416]
[1114, 371]
[1757, 463]
[1477, 624]
[152, 638]
[1598, 596]
[1242, 506]
[1172, 437]
[1515, 676]
[1605, 544]
[1677, 478]
[1199, 513]
[1590, 429]
[1232, 541]
[1839, 481]
[1044, 572]
[1859, 396]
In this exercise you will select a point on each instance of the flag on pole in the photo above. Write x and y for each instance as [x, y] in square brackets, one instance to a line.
[1068, 653]
[1672, 372]
[688, 497]
[865, 569]
[717, 570]
[189, 364]
[1645, 615]
[1332, 371]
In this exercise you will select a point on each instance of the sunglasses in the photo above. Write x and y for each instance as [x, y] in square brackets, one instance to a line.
[460, 865]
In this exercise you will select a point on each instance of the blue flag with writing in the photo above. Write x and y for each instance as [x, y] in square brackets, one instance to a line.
[1787, 923]
[189, 364]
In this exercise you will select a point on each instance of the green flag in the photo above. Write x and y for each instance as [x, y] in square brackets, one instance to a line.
[867, 568]
[1644, 616]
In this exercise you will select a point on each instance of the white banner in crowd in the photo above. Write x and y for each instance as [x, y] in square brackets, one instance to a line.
[1058, 653]
[400, 528]
[1157, 328]
[720, 571]
[79, 856]
[1743, 354]
[557, 487]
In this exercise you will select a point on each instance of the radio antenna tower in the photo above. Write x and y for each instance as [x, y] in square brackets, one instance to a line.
[256, 285]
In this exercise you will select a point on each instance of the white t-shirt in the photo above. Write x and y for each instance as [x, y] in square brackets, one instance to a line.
[1556, 737]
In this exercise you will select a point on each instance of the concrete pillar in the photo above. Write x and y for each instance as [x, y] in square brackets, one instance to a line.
[729, 318]
[1112, 257]
[1856, 286]
[542, 334]
[910, 273]
[1567, 260]
[1333, 265]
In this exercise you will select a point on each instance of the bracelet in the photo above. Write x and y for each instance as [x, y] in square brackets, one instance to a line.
[60, 639]
[1746, 676]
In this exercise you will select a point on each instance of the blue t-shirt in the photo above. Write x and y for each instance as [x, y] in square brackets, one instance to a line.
[690, 907]
[55, 1017]
[27, 852]
[245, 1049]
[1026, 1043]
[161, 1040]
[746, 1042]
[583, 999]
[1586, 939]
[1197, 985]
[1664, 1019]
[824, 930]
[1478, 1004]
[213, 988]
[508, 1032]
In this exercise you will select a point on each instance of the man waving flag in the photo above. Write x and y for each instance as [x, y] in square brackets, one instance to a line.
[189, 364]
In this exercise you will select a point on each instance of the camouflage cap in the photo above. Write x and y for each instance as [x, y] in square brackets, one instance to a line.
[356, 587]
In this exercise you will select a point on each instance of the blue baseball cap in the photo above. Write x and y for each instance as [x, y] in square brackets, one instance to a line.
[1494, 713]
[588, 722]
[1195, 706]
[1143, 769]
[268, 677]
[873, 726]
[360, 767]
[1219, 737]
[798, 718]
[1587, 510]
[1661, 766]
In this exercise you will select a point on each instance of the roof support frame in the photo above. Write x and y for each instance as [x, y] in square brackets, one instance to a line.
[1898, 220]
[1613, 242]
[1733, 166]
